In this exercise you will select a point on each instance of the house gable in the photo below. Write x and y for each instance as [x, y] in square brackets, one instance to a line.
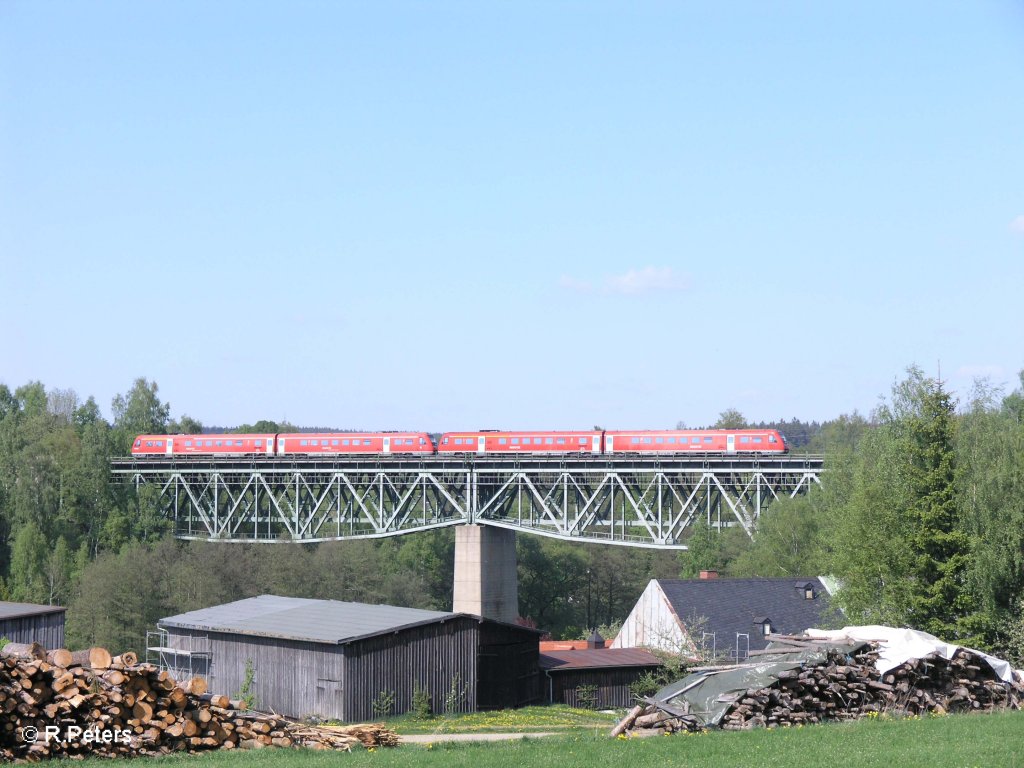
[654, 623]
[726, 618]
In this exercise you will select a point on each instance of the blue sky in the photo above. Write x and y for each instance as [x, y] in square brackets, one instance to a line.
[510, 215]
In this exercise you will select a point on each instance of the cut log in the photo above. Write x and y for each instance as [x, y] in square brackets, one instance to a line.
[627, 722]
[60, 657]
[95, 658]
[24, 651]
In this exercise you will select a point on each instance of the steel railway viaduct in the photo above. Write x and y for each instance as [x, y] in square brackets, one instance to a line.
[639, 501]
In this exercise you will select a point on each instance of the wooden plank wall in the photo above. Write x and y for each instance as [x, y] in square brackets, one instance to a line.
[612, 685]
[435, 657]
[291, 677]
[508, 666]
[47, 629]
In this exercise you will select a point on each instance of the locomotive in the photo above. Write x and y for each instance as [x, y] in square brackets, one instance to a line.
[486, 442]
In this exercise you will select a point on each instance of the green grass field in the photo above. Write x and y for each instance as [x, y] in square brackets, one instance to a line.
[962, 741]
[525, 720]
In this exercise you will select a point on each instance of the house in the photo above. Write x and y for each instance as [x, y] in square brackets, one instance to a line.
[338, 660]
[722, 619]
[29, 623]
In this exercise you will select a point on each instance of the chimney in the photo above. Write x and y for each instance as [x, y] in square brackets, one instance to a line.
[595, 640]
[705, 575]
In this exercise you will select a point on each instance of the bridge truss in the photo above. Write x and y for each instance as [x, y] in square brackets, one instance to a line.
[647, 502]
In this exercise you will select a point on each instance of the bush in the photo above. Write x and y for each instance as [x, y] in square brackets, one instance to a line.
[384, 704]
[421, 708]
[586, 696]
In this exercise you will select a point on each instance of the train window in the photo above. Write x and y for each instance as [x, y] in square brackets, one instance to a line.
[334, 442]
[422, 441]
[694, 440]
[672, 440]
[446, 441]
[561, 441]
[536, 441]
[366, 442]
[502, 441]
[706, 439]
[219, 444]
[344, 442]
[744, 439]
[458, 441]
[659, 439]
[549, 441]
[515, 441]
[238, 442]
[149, 443]
[159, 443]
[258, 443]
[757, 439]
[583, 441]
[138, 443]
[647, 441]
[771, 438]
[303, 442]
[188, 443]
[634, 440]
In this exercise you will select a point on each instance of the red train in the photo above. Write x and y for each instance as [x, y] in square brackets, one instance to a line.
[593, 442]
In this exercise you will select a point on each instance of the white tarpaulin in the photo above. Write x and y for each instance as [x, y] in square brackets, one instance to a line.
[899, 645]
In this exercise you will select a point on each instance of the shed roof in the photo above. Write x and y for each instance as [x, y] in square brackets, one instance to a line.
[598, 658]
[19, 610]
[737, 606]
[296, 618]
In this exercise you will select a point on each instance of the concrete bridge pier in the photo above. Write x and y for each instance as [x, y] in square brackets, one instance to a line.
[486, 580]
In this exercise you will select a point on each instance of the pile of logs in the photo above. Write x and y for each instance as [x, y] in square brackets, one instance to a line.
[846, 687]
[63, 704]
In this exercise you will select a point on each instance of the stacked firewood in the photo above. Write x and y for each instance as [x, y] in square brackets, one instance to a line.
[62, 704]
[848, 687]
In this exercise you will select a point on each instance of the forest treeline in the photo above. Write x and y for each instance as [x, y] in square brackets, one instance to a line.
[920, 518]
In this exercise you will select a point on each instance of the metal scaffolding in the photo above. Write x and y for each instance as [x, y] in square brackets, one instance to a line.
[634, 501]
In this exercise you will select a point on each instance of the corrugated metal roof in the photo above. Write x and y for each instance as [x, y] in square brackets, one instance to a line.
[295, 618]
[15, 610]
[597, 658]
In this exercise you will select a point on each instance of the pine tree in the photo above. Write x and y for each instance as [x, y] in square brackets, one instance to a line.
[939, 547]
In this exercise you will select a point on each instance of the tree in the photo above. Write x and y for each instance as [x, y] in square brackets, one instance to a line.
[705, 552]
[787, 543]
[898, 547]
[730, 418]
[139, 412]
[990, 480]
[28, 565]
[940, 548]
[186, 425]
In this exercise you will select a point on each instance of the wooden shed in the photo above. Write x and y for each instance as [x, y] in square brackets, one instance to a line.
[335, 659]
[29, 623]
[597, 678]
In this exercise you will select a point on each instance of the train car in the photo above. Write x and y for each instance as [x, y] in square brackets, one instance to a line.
[344, 443]
[203, 445]
[520, 442]
[728, 441]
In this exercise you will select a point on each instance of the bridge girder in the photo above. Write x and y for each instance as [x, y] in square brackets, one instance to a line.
[633, 502]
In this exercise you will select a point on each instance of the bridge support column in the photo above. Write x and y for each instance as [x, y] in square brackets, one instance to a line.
[486, 582]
